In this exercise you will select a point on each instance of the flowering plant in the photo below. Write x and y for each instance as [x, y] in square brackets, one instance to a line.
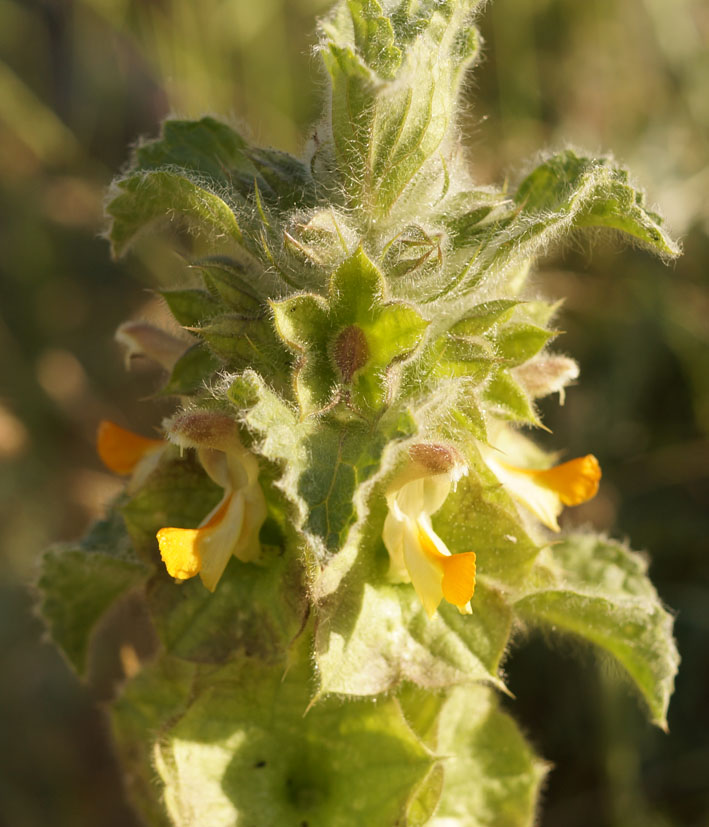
[343, 523]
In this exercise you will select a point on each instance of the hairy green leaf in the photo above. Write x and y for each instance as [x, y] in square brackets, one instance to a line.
[491, 776]
[246, 342]
[155, 697]
[191, 307]
[212, 150]
[246, 751]
[78, 584]
[564, 193]
[191, 371]
[599, 591]
[302, 323]
[469, 418]
[467, 215]
[480, 318]
[228, 280]
[517, 343]
[144, 198]
[371, 636]
[257, 610]
[509, 400]
[598, 194]
[374, 37]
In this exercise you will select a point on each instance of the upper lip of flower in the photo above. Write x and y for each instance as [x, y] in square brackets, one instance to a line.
[417, 554]
[128, 453]
[121, 450]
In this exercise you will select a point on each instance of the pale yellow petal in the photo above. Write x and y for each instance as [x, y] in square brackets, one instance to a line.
[410, 498]
[248, 548]
[218, 540]
[421, 558]
[435, 491]
[423, 496]
[544, 503]
[243, 467]
[393, 537]
[214, 463]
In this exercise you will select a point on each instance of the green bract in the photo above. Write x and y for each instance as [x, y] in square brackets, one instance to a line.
[347, 422]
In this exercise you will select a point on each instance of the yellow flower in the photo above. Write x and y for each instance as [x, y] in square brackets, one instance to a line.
[546, 491]
[417, 554]
[127, 453]
[232, 527]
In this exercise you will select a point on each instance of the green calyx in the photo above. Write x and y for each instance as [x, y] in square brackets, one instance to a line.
[349, 342]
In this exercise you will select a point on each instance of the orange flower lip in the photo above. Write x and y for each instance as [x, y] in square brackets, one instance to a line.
[458, 582]
[181, 548]
[575, 481]
[121, 450]
[457, 570]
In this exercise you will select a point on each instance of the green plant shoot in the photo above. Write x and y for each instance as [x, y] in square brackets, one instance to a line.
[345, 519]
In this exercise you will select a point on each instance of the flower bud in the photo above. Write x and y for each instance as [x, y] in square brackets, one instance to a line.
[549, 373]
[202, 429]
[142, 339]
[433, 458]
[350, 351]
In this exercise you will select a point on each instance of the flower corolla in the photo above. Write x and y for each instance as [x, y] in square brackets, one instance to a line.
[232, 527]
[417, 554]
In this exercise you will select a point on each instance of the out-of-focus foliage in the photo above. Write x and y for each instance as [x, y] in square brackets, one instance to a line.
[80, 81]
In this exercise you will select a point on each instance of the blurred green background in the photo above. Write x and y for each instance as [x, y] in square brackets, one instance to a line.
[80, 80]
